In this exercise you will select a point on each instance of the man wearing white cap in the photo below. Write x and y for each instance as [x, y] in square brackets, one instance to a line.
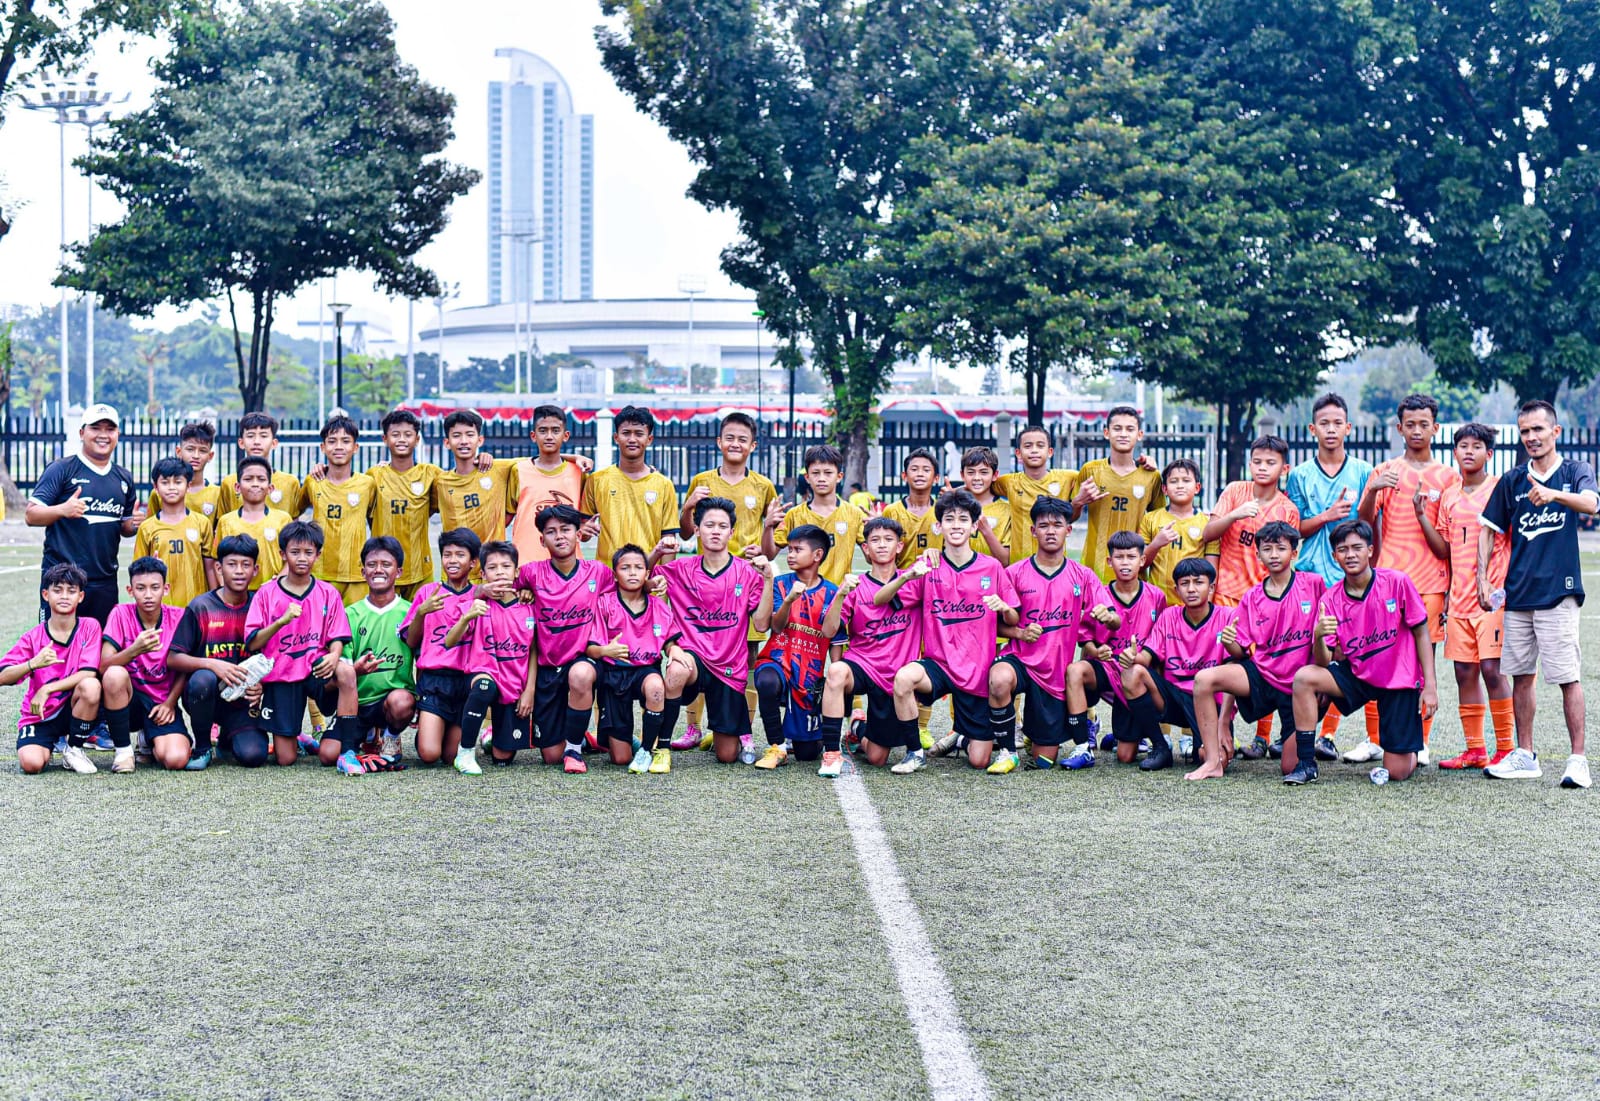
[89, 505]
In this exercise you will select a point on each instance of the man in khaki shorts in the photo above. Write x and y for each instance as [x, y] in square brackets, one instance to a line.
[1537, 504]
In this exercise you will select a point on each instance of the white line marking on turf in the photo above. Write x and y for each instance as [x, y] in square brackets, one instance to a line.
[18, 569]
[947, 1053]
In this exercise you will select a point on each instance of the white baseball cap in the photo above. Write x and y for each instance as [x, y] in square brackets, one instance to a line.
[100, 411]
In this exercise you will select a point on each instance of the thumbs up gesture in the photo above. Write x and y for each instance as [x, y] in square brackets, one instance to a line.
[616, 650]
[75, 506]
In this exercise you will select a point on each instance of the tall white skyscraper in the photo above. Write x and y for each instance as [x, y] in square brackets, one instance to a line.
[541, 186]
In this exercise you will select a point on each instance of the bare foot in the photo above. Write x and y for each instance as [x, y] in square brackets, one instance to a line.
[1205, 772]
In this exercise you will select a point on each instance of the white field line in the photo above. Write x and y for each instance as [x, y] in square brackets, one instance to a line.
[947, 1052]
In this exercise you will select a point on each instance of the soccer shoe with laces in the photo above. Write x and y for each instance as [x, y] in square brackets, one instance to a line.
[1275, 750]
[591, 742]
[641, 761]
[1363, 754]
[1082, 756]
[349, 764]
[1577, 773]
[77, 760]
[573, 763]
[1326, 750]
[689, 739]
[308, 744]
[1304, 773]
[466, 763]
[661, 761]
[913, 762]
[1500, 755]
[1255, 749]
[100, 739]
[123, 760]
[925, 738]
[943, 747]
[1519, 764]
[1159, 757]
[832, 764]
[1004, 761]
[1472, 758]
[198, 762]
[774, 756]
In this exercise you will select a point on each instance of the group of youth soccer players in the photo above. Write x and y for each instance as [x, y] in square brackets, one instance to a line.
[1328, 587]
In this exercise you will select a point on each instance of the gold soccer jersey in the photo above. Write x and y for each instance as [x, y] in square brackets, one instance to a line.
[919, 533]
[183, 548]
[269, 563]
[341, 510]
[1127, 498]
[1021, 491]
[750, 496]
[631, 510]
[844, 523]
[285, 494]
[401, 508]
[478, 500]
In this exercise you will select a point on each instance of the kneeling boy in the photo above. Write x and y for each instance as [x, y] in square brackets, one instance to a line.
[441, 679]
[631, 631]
[60, 660]
[138, 691]
[498, 632]
[386, 685]
[788, 674]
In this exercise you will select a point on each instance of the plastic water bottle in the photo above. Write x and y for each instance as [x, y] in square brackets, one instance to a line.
[1379, 776]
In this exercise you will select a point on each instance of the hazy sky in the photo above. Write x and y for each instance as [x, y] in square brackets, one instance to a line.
[646, 232]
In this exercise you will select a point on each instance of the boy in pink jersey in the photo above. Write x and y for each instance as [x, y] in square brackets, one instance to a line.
[1059, 601]
[60, 660]
[631, 631]
[717, 599]
[1270, 641]
[1372, 643]
[299, 623]
[565, 590]
[1098, 675]
[788, 672]
[964, 598]
[883, 639]
[441, 682]
[137, 690]
[1158, 678]
[494, 640]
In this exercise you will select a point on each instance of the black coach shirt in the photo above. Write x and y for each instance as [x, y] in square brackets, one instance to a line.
[1544, 568]
[93, 539]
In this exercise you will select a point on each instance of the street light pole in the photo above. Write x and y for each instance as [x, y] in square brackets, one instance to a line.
[759, 315]
[339, 310]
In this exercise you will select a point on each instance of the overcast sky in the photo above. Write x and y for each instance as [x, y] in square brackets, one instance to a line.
[646, 232]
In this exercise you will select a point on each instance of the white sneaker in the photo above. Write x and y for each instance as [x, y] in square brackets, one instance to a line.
[122, 761]
[467, 763]
[77, 760]
[913, 762]
[1521, 764]
[1366, 751]
[1577, 773]
[1423, 759]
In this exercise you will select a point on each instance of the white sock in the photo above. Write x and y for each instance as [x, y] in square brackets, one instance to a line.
[575, 747]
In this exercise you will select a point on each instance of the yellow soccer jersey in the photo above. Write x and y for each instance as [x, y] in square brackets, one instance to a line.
[631, 510]
[342, 511]
[1020, 492]
[1187, 545]
[844, 523]
[750, 496]
[1127, 498]
[998, 514]
[285, 494]
[919, 536]
[269, 563]
[183, 548]
[206, 500]
[402, 507]
[479, 500]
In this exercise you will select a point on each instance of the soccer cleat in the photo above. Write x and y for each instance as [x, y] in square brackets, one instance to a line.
[573, 763]
[661, 761]
[641, 762]
[1255, 749]
[1326, 750]
[708, 741]
[1305, 773]
[1577, 773]
[466, 762]
[1499, 755]
[1424, 758]
[1040, 763]
[1472, 758]
[123, 760]
[747, 750]
[912, 762]
[689, 739]
[389, 746]
[1519, 764]
[591, 742]
[309, 744]
[1275, 750]
[77, 760]
[1363, 753]
[349, 764]
[198, 762]
[832, 764]
[1005, 761]
[856, 734]
[1159, 757]
[100, 739]
[943, 747]
[774, 756]
[1082, 756]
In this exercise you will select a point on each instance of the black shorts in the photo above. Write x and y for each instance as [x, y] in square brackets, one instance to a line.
[442, 692]
[550, 701]
[726, 709]
[1265, 698]
[618, 687]
[1179, 709]
[139, 718]
[970, 712]
[1044, 720]
[509, 731]
[370, 716]
[1121, 717]
[47, 732]
[1399, 709]
[883, 727]
[283, 704]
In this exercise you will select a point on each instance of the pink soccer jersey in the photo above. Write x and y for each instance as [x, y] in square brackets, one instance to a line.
[1139, 617]
[498, 645]
[296, 648]
[883, 639]
[433, 654]
[958, 630]
[1060, 603]
[80, 652]
[565, 606]
[1374, 631]
[1278, 630]
[148, 672]
[714, 611]
[1185, 648]
[646, 633]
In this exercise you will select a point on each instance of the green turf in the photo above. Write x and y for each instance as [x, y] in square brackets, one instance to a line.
[286, 933]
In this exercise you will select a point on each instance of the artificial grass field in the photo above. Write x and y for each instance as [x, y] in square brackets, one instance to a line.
[286, 933]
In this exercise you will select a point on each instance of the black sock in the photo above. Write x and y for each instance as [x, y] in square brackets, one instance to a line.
[577, 725]
[831, 727]
[910, 735]
[1146, 719]
[117, 722]
[81, 731]
[1078, 727]
[1305, 745]
[1003, 721]
[480, 696]
[651, 735]
[770, 691]
[670, 710]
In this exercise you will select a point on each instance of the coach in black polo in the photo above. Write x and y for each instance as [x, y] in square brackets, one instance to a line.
[88, 505]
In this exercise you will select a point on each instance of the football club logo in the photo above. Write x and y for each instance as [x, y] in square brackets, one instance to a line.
[1077, 590]
[486, 483]
[649, 496]
[983, 582]
[193, 534]
[353, 498]
[591, 584]
[208, 508]
[276, 495]
[270, 534]
[1388, 605]
[416, 487]
[750, 502]
[738, 589]
[841, 527]
[528, 623]
[1194, 533]
[1305, 607]
[124, 486]
[655, 629]
[1138, 492]
[1054, 488]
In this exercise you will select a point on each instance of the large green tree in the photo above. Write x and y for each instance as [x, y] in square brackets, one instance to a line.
[286, 142]
[1494, 108]
[798, 114]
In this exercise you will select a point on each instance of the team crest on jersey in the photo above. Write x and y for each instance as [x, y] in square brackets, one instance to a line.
[1138, 492]
[353, 498]
[655, 629]
[486, 483]
[1305, 607]
[749, 502]
[416, 487]
[270, 534]
[983, 582]
[738, 589]
[1077, 590]
[1054, 488]
[208, 508]
[1433, 494]
[124, 486]
[649, 496]
[1194, 533]
[841, 527]
[193, 534]
[591, 584]
[276, 495]
[1388, 605]
[528, 623]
